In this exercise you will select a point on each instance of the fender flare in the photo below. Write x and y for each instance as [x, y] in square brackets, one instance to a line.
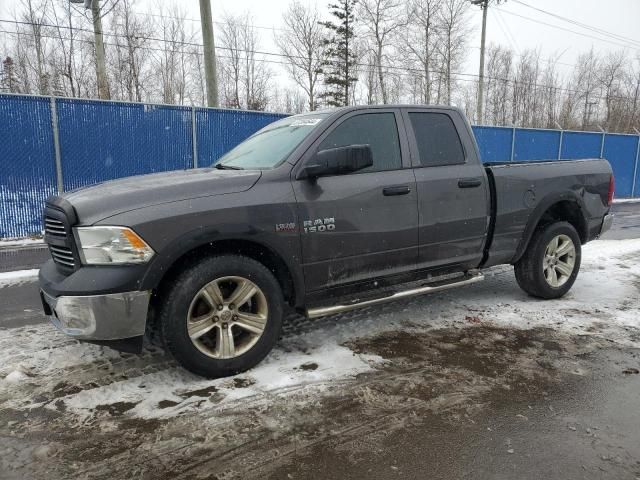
[536, 215]
[163, 261]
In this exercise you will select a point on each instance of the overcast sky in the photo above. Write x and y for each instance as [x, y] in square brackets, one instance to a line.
[507, 24]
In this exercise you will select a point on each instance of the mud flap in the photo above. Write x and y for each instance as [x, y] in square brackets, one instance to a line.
[126, 345]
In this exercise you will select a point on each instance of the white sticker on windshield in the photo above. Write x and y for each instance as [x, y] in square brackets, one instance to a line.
[305, 122]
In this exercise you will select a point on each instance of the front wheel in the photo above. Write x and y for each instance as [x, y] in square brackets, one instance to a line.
[550, 264]
[222, 315]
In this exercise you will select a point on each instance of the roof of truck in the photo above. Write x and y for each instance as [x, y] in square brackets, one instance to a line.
[388, 105]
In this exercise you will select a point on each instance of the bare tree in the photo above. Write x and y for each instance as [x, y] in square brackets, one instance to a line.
[585, 83]
[169, 60]
[381, 19]
[245, 78]
[131, 58]
[420, 44]
[256, 74]
[303, 47]
[632, 85]
[65, 37]
[611, 76]
[289, 100]
[34, 14]
[497, 106]
[454, 27]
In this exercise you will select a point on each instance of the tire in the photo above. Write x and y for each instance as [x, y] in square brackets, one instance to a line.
[536, 270]
[227, 339]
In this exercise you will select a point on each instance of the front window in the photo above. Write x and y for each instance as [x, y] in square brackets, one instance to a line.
[378, 130]
[270, 146]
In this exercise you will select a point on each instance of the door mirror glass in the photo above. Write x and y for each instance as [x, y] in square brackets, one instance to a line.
[338, 161]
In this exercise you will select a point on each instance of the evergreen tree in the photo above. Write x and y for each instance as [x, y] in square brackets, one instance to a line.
[340, 62]
[8, 80]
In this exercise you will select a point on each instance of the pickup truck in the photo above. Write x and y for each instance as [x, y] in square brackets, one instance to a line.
[317, 213]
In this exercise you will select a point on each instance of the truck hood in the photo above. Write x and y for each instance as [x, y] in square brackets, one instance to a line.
[103, 200]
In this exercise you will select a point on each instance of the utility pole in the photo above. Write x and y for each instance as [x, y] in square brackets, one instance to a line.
[484, 5]
[101, 67]
[98, 43]
[209, 53]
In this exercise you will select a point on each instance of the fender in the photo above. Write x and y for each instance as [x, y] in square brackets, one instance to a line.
[204, 236]
[536, 215]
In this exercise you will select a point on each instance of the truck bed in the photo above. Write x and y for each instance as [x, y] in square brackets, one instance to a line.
[523, 191]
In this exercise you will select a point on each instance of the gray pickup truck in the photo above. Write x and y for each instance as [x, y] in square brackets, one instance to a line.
[319, 213]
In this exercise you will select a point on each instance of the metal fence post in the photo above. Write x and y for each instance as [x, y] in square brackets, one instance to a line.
[635, 168]
[194, 137]
[513, 142]
[602, 142]
[560, 145]
[56, 145]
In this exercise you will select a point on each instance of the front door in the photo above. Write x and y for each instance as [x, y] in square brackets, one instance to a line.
[364, 224]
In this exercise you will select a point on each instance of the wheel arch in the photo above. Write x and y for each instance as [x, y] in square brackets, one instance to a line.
[567, 207]
[184, 251]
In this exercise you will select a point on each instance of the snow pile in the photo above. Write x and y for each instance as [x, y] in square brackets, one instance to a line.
[21, 242]
[16, 377]
[18, 276]
[84, 378]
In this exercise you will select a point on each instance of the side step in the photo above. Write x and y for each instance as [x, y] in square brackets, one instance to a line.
[466, 279]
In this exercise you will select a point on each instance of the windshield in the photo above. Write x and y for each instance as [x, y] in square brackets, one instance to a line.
[270, 146]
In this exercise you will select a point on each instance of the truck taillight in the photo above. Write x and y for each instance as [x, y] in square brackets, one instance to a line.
[612, 187]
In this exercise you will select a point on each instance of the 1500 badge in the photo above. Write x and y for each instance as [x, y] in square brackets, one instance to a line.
[309, 226]
[319, 225]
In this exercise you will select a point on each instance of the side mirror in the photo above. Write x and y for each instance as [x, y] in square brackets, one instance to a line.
[336, 161]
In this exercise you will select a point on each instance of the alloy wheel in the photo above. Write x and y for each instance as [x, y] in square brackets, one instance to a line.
[227, 317]
[559, 260]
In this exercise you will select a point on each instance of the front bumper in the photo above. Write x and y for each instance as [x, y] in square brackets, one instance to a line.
[96, 303]
[111, 316]
[606, 223]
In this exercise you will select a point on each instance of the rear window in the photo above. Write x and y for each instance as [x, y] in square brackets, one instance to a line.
[437, 139]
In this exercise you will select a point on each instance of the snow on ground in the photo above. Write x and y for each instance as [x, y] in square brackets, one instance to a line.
[40, 367]
[21, 242]
[17, 276]
[626, 200]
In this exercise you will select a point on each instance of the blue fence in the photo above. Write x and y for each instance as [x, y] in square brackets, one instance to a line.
[504, 144]
[50, 145]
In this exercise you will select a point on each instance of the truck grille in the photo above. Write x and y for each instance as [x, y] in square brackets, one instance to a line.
[62, 256]
[54, 227]
[58, 235]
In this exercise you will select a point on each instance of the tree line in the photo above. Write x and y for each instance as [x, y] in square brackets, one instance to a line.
[355, 52]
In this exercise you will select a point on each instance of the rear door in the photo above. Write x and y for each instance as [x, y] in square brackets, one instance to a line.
[364, 224]
[453, 194]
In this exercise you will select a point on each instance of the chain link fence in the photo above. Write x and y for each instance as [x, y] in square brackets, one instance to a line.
[51, 145]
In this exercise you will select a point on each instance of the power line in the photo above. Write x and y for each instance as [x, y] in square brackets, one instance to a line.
[195, 44]
[404, 71]
[580, 24]
[567, 29]
[281, 29]
[181, 42]
[261, 27]
[507, 31]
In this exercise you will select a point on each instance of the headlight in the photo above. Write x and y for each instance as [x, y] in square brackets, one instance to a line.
[111, 245]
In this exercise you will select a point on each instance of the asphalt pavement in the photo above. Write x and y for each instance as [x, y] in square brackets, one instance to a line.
[480, 402]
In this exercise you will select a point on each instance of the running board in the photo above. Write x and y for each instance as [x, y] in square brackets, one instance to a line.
[465, 280]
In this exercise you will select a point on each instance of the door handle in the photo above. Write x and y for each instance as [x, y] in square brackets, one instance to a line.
[469, 182]
[396, 190]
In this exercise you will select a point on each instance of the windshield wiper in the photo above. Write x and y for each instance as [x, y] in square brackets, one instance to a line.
[221, 166]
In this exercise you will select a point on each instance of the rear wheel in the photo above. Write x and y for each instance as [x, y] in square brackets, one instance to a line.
[222, 316]
[550, 264]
